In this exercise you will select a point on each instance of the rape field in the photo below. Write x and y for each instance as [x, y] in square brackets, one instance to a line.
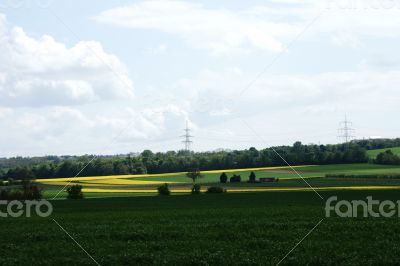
[179, 183]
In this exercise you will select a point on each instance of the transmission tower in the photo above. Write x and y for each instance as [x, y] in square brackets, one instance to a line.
[346, 131]
[187, 138]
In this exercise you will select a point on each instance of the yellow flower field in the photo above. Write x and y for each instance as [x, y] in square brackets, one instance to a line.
[133, 183]
[52, 181]
[97, 190]
[91, 178]
[108, 182]
[121, 181]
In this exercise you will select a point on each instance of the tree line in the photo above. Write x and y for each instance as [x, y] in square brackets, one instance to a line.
[387, 158]
[172, 161]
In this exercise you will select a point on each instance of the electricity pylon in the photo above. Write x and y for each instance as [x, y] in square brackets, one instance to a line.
[346, 131]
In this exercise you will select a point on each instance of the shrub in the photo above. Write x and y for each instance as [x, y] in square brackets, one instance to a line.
[235, 179]
[75, 192]
[223, 178]
[164, 190]
[27, 192]
[196, 189]
[3, 194]
[215, 190]
[11, 195]
[252, 177]
[31, 191]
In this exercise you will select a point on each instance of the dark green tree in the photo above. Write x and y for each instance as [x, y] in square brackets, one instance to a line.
[223, 178]
[252, 177]
[164, 190]
[75, 192]
[194, 174]
[388, 158]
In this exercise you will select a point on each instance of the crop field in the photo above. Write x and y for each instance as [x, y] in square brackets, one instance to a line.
[179, 183]
[121, 221]
[226, 229]
[373, 153]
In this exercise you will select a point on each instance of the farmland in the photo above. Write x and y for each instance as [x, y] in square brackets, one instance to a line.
[229, 229]
[199, 133]
[179, 183]
[122, 222]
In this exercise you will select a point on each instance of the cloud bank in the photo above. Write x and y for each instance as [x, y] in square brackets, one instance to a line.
[44, 72]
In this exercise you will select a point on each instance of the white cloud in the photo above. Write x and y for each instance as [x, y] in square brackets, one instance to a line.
[217, 30]
[311, 104]
[158, 50]
[5, 111]
[358, 90]
[306, 107]
[39, 72]
[380, 62]
[346, 39]
[270, 26]
[57, 130]
[300, 94]
[43, 72]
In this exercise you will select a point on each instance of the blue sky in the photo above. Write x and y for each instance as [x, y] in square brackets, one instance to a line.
[107, 77]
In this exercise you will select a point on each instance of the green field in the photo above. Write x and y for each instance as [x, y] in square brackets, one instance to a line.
[373, 153]
[306, 171]
[227, 229]
[315, 175]
[257, 228]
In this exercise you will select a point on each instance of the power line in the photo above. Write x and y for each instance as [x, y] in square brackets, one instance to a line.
[187, 138]
[346, 131]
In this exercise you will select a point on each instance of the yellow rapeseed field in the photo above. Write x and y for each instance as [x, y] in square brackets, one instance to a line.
[91, 178]
[121, 181]
[100, 183]
[97, 178]
[108, 182]
[237, 190]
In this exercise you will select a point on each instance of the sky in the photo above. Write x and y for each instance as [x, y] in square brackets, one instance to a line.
[112, 77]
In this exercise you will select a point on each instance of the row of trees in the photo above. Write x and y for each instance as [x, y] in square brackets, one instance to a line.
[223, 178]
[388, 158]
[149, 162]
[7, 163]
[375, 144]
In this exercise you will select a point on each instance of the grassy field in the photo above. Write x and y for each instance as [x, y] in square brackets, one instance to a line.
[123, 221]
[226, 229]
[373, 153]
[141, 184]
